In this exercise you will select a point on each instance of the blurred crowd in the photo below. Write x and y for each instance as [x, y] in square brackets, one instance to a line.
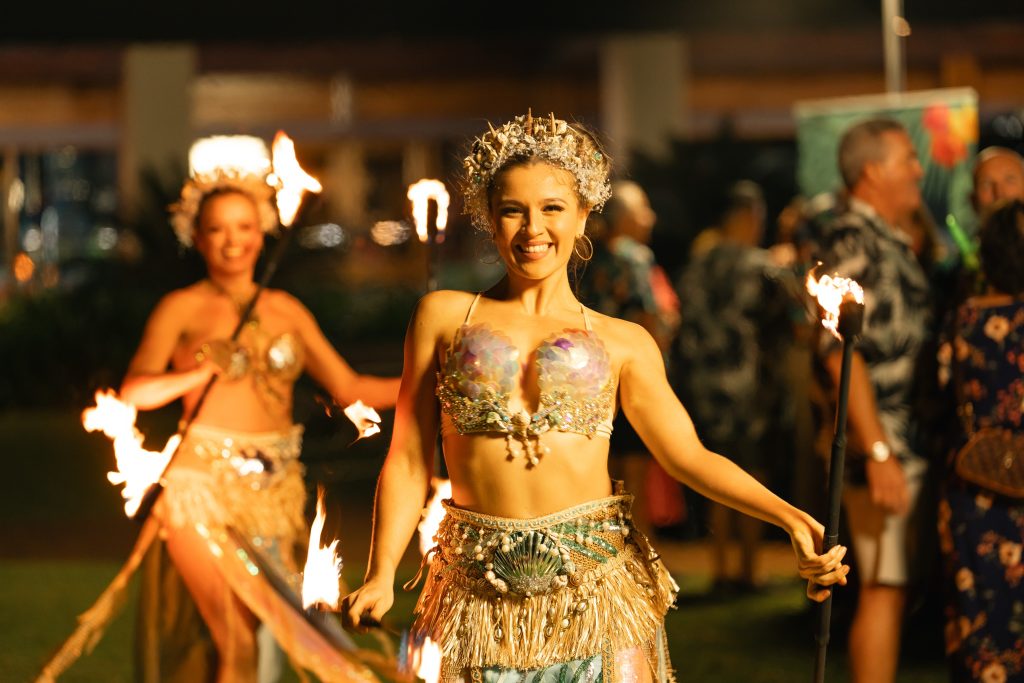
[936, 385]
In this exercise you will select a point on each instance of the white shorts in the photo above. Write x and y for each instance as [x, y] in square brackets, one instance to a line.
[881, 541]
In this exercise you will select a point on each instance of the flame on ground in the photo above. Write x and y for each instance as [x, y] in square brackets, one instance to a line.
[321, 577]
[420, 193]
[434, 513]
[425, 661]
[291, 180]
[830, 292]
[366, 419]
[137, 468]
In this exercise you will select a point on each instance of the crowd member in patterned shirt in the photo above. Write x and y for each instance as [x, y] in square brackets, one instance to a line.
[881, 172]
[735, 321]
[623, 280]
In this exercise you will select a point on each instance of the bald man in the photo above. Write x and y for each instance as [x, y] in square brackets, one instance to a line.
[998, 176]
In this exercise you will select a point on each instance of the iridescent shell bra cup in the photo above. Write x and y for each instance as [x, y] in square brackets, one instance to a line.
[577, 392]
[271, 360]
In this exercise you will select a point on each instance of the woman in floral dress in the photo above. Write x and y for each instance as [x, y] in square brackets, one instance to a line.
[982, 533]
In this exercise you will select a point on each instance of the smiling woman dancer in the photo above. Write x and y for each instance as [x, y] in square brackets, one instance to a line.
[238, 466]
[537, 570]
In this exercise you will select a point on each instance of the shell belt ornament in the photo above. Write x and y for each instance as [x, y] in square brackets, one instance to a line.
[573, 370]
[533, 561]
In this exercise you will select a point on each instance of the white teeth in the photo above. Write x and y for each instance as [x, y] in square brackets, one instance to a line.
[535, 248]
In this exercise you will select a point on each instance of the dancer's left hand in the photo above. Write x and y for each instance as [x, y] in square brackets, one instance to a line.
[819, 570]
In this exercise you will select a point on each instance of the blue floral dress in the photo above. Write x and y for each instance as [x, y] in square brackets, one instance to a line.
[981, 533]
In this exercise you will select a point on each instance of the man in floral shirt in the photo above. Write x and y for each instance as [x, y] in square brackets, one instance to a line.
[735, 325]
[881, 172]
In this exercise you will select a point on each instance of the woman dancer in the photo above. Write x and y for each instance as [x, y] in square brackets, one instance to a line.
[238, 467]
[537, 569]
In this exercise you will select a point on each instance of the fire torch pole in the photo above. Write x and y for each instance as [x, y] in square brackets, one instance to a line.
[851, 320]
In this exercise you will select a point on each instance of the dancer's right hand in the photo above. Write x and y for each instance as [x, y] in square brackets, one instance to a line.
[366, 606]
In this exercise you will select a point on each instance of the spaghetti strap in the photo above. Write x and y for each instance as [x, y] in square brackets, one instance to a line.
[472, 307]
[458, 332]
[586, 318]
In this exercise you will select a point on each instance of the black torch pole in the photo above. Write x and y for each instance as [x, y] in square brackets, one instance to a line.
[440, 467]
[851, 319]
[431, 246]
[154, 491]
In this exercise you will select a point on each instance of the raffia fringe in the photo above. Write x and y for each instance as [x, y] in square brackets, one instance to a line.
[626, 603]
[193, 497]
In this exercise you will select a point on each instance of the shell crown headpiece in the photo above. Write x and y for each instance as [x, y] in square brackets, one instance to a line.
[553, 140]
[236, 163]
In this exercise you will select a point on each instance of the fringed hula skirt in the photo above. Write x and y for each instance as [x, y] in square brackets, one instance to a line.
[251, 482]
[577, 596]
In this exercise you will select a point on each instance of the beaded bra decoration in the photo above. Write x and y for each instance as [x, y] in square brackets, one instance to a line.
[525, 137]
[577, 393]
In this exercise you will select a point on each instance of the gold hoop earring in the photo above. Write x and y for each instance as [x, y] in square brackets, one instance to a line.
[490, 255]
[583, 248]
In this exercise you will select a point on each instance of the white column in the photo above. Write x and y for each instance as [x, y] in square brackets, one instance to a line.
[894, 28]
[11, 207]
[644, 82]
[348, 182]
[157, 117]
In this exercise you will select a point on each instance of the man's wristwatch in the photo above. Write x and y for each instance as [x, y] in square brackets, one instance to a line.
[880, 451]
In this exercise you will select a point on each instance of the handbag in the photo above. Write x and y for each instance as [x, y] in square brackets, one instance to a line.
[993, 457]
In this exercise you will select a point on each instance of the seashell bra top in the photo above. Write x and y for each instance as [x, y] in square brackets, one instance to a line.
[577, 391]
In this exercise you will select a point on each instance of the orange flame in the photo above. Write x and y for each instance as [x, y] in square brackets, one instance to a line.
[24, 267]
[291, 180]
[321, 577]
[366, 419]
[830, 292]
[137, 468]
[426, 661]
[420, 193]
[434, 513]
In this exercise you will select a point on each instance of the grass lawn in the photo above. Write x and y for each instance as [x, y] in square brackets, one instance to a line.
[765, 638]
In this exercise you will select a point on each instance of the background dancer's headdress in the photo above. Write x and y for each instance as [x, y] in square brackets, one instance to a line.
[547, 139]
[225, 163]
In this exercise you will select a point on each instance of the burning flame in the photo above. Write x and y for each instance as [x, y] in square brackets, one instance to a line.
[426, 661]
[434, 513]
[366, 419]
[321, 577]
[420, 193]
[830, 292]
[239, 154]
[137, 468]
[291, 179]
